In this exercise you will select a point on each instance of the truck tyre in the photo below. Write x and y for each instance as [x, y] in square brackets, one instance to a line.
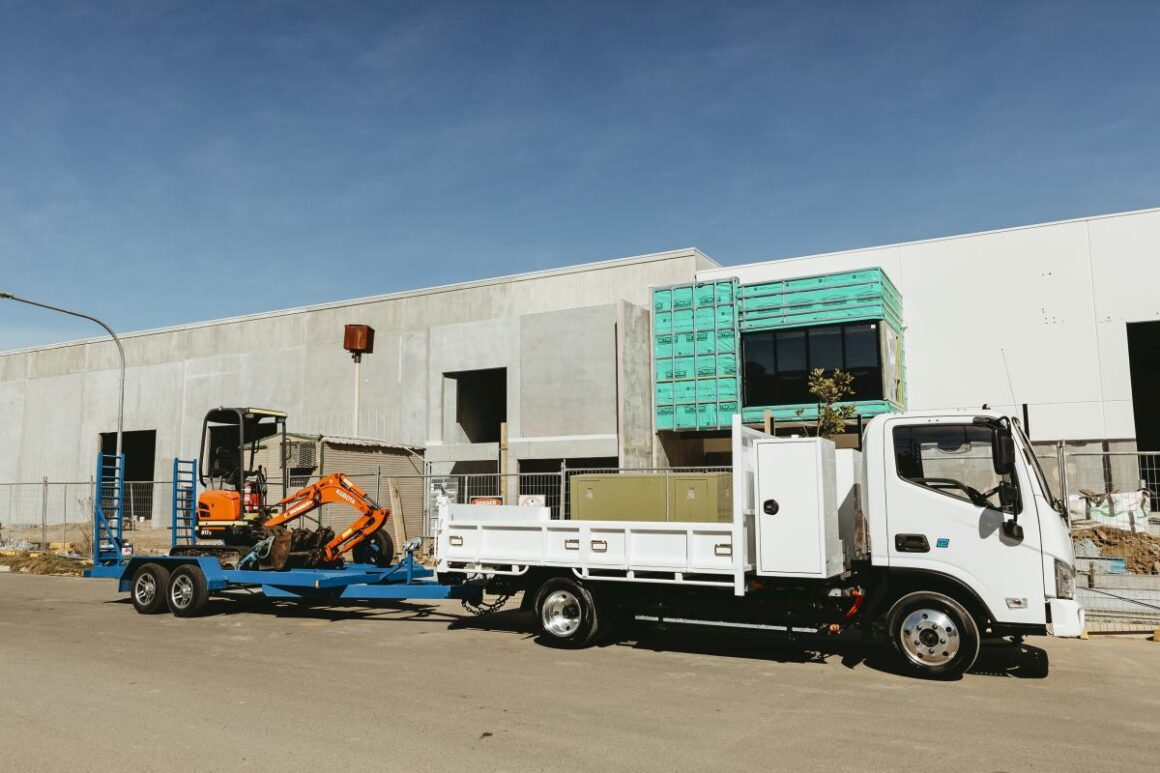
[566, 614]
[377, 549]
[150, 582]
[187, 593]
[934, 635]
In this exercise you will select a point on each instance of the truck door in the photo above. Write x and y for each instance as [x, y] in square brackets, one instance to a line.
[944, 514]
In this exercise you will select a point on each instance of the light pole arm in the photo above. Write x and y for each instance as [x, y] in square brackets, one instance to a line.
[109, 330]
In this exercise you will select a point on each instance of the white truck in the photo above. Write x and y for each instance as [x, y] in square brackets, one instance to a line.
[942, 529]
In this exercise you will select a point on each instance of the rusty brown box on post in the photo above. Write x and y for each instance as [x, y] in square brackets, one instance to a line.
[359, 339]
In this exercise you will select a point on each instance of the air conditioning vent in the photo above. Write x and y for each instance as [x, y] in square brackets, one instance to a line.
[301, 455]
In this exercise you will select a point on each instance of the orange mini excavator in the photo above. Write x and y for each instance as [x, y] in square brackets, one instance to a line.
[234, 507]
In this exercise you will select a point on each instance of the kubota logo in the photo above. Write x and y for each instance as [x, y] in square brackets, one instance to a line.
[348, 498]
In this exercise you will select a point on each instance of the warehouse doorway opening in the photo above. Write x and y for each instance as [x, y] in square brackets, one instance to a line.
[140, 450]
[1144, 364]
[480, 403]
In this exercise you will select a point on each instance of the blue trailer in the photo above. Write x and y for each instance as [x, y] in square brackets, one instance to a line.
[182, 584]
[183, 581]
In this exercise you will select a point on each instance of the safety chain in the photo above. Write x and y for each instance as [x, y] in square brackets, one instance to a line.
[483, 609]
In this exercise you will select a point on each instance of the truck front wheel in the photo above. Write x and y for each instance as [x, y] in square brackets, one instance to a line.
[566, 614]
[935, 636]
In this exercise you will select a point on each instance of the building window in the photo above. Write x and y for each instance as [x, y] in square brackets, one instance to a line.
[778, 362]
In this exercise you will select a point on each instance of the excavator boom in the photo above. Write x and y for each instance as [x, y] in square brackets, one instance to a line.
[334, 489]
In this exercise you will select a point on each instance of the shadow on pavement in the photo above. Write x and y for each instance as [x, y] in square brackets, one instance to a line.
[997, 657]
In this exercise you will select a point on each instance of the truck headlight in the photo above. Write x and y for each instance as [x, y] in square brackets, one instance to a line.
[1064, 580]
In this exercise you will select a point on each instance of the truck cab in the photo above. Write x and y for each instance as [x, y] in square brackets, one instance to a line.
[960, 500]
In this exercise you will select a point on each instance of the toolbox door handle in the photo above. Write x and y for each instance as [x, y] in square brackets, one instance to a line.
[572, 544]
[722, 549]
[600, 545]
[455, 540]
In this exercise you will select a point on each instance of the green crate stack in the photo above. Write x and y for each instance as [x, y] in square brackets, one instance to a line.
[818, 300]
[850, 296]
[695, 354]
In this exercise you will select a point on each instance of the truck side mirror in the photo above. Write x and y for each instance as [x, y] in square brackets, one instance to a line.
[1008, 494]
[1003, 452]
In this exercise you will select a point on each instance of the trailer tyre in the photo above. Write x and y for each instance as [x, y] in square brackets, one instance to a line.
[187, 593]
[377, 549]
[566, 614]
[934, 635]
[149, 585]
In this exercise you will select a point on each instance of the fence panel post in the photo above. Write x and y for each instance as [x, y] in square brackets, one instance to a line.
[668, 504]
[561, 515]
[44, 515]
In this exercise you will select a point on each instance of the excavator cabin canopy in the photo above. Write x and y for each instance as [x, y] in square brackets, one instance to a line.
[230, 438]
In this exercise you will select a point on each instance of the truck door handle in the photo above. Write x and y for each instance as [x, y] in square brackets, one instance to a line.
[770, 506]
[911, 543]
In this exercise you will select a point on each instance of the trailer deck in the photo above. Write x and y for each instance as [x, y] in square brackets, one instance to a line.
[406, 579]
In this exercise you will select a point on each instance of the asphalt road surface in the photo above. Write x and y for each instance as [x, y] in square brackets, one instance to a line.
[88, 684]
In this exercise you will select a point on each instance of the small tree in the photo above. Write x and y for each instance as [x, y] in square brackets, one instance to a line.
[835, 388]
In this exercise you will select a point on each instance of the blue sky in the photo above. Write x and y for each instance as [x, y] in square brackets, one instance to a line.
[164, 162]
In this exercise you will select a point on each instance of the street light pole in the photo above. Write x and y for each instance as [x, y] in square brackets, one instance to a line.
[109, 330]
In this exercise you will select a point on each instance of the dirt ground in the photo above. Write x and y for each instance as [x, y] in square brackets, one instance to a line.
[89, 685]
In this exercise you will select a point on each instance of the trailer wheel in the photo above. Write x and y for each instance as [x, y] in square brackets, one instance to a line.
[377, 549]
[149, 585]
[566, 614]
[936, 637]
[187, 593]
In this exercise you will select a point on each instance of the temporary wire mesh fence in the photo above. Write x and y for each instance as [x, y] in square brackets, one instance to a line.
[27, 509]
[1120, 490]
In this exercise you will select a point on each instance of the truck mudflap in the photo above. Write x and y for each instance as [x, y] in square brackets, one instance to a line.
[1067, 618]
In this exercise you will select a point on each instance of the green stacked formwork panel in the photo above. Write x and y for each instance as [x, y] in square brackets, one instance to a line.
[697, 332]
[827, 299]
[809, 411]
[820, 300]
[695, 343]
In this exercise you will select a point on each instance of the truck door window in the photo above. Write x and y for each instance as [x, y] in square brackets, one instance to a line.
[952, 459]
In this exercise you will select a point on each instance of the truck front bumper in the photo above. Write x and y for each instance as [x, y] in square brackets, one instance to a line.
[1067, 619]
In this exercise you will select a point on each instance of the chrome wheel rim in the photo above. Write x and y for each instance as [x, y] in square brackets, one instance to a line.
[145, 589]
[929, 637]
[560, 614]
[181, 592]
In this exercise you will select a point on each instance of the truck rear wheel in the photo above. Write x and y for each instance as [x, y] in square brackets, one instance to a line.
[187, 593]
[566, 614]
[934, 635]
[149, 585]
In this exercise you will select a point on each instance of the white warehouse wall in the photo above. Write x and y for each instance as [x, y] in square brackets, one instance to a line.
[1054, 298]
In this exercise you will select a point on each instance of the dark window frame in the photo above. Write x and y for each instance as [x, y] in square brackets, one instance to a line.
[771, 336]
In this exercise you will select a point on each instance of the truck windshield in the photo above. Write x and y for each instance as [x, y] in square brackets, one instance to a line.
[1037, 468]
